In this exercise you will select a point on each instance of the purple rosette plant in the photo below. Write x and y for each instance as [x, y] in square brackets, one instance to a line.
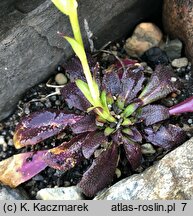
[118, 111]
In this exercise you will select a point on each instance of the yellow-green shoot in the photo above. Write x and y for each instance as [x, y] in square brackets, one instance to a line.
[89, 89]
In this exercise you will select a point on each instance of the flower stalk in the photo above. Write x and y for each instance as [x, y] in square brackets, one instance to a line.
[89, 89]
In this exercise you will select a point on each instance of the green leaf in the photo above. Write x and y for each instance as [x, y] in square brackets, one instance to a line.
[131, 108]
[128, 131]
[78, 49]
[85, 90]
[104, 100]
[96, 89]
[110, 99]
[66, 6]
[80, 52]
[108, 131]
[126, 122]
[120, 103]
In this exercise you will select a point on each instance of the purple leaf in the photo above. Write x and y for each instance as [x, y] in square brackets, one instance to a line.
[41, 125]
[74, 97]
[184, 106]
[86, 124]
[66, 155]
[117, 137]
[101, 172]
[21, 167]
[160, 85]
[166, 137]
[124, 64]
[132, 83]
[133, 152]
[111, 83]
[92, 142]
[133, 134]
[136, 135]
[152, 114]
[73, 67]
[132, 149]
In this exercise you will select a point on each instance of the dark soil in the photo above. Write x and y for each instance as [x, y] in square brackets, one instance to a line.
[35, 99]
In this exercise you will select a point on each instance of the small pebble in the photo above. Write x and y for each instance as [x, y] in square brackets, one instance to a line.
[114, 52]
[143, 64]
[173, 49]
[173, 79]
[187, 77]
[167, 102]
[114, 48]
[66, 184]
[57, 103]
[26, 110]
[53, 98]
[118, 45]
[148, 70]
[181, 62]
[3, 143]
[118, 173]
[61, 79]
[173, 95]
[147, 149]
[10, 142]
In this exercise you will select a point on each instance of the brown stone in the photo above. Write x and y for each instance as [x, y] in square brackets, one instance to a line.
[178, 22]
[145, 36]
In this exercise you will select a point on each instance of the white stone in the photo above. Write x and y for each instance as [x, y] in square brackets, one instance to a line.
[3, 143]
[61, 79]
[61, 193]
[180, 62]
[173, 79]
[147, 148]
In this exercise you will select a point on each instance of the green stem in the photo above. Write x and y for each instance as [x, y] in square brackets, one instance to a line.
[76, 27]
[77, 35]
[92, 86]
[89, 80]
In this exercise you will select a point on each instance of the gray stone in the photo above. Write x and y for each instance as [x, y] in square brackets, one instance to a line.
[169, 179]
[7, 193]
[61, 193]
[30, 47]
[27, 5]
[173, 49]
[5, 6]
[180, 62]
